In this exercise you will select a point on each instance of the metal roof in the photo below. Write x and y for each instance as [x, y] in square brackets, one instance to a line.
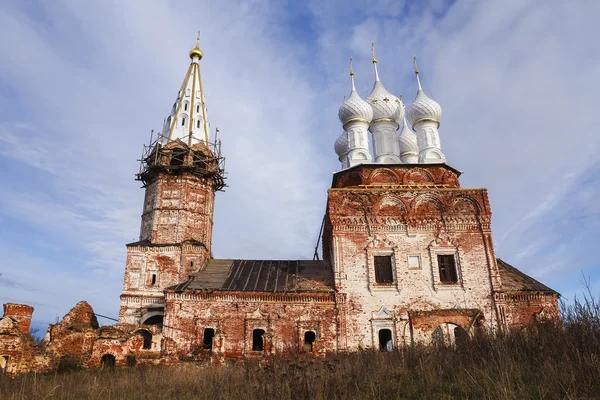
[288, 276]
[514, 280]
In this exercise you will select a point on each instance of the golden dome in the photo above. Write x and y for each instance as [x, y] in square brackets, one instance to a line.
[196, 52]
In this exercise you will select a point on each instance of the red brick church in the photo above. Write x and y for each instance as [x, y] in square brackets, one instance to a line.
[408, 255]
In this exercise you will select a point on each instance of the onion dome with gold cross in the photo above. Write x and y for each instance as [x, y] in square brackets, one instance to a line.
[386, 106]
[354, 107]
[423, 107]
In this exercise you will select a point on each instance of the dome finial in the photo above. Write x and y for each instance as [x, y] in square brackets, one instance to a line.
[196, 52]
[417, 72]
[352, 75]
[374, 60]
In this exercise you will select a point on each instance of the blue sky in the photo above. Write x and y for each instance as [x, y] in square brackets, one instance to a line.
[83, 83]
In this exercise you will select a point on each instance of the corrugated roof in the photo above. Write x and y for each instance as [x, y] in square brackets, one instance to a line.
[514, 280]
[262, 276]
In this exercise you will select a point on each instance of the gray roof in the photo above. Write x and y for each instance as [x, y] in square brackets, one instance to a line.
[514, 280]
[261, 276]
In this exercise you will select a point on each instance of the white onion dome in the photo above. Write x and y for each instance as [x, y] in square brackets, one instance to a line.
[407, 140]
[385, 105]
[355, 109]
[424, 109]
[341, 144]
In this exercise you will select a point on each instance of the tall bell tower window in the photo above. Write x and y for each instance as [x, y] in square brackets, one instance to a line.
[447, 267]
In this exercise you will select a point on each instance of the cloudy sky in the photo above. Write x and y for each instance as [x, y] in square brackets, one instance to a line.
[82, 83]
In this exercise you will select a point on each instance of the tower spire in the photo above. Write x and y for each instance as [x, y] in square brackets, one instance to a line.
[187, 121]
[374, 61]
[417, 73]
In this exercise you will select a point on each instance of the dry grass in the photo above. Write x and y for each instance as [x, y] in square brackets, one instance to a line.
[562, 362]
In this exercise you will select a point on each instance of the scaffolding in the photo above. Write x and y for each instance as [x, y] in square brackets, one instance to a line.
[174, 157]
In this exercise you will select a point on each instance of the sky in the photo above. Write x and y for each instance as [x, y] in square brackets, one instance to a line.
[83, 83]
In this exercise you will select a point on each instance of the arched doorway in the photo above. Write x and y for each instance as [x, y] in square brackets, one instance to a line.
[449, 334]
[108, 361]
[385, 340]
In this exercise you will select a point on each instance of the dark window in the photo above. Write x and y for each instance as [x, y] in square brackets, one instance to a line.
[209, 335]
[257, 340]
[385, 340]
[177, 158]
[154, 279]
[461, 337]
[108, 361]
[198, 124]
[147, 338]
[309, 339]
[447, 268]
[154, 320]
[130, 361]
[198, 108]
[185, 107]
[383, 269]
[183, 121]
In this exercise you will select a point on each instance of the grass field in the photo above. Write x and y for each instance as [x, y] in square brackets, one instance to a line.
[555, 363]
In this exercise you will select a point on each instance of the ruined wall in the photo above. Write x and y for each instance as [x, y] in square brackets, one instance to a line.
[518, 310]
[412, 214]
[285, 318]
[149, 269]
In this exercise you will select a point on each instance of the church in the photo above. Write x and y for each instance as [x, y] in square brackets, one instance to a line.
[408, 256]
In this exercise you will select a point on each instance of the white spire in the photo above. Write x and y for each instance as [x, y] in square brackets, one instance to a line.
[423, 108]
[188, 118]
[424, 114]
[354, 107]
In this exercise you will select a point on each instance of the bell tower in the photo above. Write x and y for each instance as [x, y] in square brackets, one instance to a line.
[180, 171]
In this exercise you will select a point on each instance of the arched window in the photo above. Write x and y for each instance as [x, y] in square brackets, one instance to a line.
[183, 121]
[198, 108]
[153, 279]
[209, 335]
[185, 106]
[108, 361]
[385, 340]
[309, 339]
[147, 338]
[3, 363]
[154, 320]
[198, 124]
[258, 340]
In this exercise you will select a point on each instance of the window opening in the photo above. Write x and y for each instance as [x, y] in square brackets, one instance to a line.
[154, 320]
[3, 363]
[108, 361]
[209, 335]
[383, 269]
[154, 279]
[130, 361]
[185, 106]
[258, 340]
[198, 124]
[147, 338]
[309, 339]
[198, 108]
[177, 158]
[183, 121]
[447, 268]
[385, 340]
